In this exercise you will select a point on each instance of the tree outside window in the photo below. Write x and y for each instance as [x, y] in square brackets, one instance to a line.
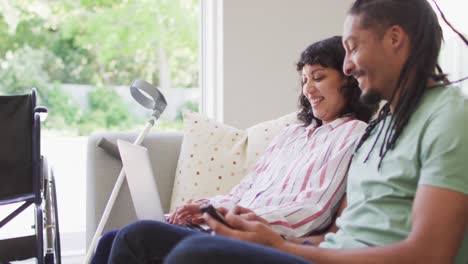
[98, 46]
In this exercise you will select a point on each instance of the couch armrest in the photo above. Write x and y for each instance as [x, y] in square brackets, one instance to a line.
[103, 170]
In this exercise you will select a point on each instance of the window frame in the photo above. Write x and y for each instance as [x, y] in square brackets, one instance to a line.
[211, 59]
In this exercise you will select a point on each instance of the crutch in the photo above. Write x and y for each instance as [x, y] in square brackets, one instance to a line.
[149, 97]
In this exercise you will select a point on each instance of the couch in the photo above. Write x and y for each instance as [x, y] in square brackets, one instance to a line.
[103, 170]
[213, 159]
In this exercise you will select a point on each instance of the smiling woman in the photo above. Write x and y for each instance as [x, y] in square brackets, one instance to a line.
[321, 87]
[326, 92]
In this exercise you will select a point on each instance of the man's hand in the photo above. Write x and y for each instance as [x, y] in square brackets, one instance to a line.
[246, 226]
[189, 213]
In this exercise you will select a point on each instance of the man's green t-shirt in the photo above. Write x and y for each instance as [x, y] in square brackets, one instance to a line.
[432, 150]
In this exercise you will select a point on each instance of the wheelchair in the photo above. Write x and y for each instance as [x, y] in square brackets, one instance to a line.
[27, 180]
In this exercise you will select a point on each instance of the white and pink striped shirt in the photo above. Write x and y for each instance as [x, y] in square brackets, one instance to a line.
[299, 181]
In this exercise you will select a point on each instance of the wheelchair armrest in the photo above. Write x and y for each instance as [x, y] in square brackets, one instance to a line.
[42, 111]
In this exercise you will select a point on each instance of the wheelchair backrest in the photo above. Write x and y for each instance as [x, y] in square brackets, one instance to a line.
[16, 145]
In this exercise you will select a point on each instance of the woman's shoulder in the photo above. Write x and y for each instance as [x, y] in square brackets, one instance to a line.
[353, 125]
[291, 128]
[288, 133]
[349, 132]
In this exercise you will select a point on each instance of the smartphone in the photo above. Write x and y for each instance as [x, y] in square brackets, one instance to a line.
[209, 209]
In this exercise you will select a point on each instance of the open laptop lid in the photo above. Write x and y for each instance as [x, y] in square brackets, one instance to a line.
[141, 181]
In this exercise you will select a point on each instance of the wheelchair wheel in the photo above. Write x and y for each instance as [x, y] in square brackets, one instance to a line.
[51, 227]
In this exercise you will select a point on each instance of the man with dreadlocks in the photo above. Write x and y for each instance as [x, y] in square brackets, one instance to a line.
[407, 187]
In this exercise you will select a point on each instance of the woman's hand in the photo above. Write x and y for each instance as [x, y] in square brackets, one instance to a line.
[189, 213]
[248, 214]
[246, 226]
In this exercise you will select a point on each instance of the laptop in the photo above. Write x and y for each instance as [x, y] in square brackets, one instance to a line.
[141, 181]
[142, 184]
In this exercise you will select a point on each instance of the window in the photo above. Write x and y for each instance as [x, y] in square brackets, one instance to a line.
[82, 56]
[454, 54]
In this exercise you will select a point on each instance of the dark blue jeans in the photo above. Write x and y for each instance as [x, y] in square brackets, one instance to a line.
[147, 242]
[202, 249]
[153, 242]
[104, 247]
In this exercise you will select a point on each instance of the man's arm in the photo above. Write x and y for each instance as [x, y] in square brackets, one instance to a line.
[440, 218]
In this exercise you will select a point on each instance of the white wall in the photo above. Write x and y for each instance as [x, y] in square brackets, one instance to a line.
[262, 41]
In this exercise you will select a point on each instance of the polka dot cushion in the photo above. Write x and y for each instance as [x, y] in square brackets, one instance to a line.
[214, 157]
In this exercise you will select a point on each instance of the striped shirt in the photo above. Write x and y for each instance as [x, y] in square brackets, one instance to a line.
[298, 182]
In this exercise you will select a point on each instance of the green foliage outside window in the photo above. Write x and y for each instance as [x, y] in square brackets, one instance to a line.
[108, 109]
[102, 43]
[59, 102]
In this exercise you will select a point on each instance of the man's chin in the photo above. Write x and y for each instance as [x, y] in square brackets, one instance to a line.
[370, 97]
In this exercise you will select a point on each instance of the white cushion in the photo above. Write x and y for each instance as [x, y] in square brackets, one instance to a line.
[215, 157]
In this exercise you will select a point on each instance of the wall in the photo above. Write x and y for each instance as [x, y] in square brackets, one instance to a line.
[262, 41]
